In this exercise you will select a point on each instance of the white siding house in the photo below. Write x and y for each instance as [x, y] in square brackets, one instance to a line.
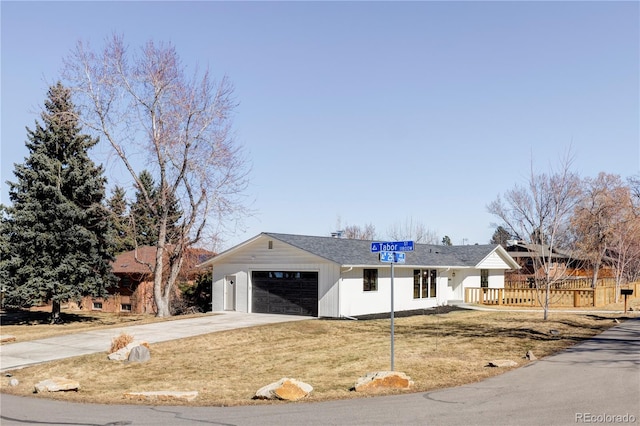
[334, 277]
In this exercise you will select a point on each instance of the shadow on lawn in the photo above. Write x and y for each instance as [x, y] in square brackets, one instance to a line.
[24, 317]
[543, 331]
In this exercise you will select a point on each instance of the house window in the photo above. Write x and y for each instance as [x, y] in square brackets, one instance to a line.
[125, 307]
[433, 281]
[416, 284]
[424, 283]
[484, 278]
[97, 305]
[370, 280]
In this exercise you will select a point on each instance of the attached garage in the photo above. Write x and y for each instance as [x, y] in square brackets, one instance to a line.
[285, 292]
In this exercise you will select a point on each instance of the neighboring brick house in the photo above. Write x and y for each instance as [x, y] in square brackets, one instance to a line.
[134, 291]
[565, 264]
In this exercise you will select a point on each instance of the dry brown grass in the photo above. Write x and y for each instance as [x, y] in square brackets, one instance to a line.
[227, 368]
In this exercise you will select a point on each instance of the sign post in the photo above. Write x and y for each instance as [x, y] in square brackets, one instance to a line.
[392, 252]
[392, 326]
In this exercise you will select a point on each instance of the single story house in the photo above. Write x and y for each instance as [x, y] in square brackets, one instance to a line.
[336, 277]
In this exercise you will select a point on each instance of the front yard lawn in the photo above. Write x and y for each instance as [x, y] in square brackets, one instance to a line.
[227, 368]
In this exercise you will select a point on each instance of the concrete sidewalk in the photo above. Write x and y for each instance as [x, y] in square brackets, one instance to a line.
[21, 354]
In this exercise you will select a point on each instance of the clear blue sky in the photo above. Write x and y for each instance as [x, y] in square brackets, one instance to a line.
[371, 112]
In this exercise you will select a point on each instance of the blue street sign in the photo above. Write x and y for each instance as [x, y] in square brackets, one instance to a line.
[386, 256]
[392, 257]
[377, 247]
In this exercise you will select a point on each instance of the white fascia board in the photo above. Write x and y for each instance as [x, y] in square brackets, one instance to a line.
[504, 255]
[228, 252]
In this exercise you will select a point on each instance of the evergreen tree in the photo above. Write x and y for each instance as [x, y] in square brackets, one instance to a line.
[501, 236]
[57, 226]
[121, 233]
[142, 215]
[145, 217]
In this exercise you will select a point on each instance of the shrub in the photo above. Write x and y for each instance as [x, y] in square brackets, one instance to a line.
[120, 342]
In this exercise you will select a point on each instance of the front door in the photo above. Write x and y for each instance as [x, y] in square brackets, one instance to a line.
[230, 293]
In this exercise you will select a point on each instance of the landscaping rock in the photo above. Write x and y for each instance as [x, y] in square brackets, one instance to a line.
[382, 380]
[502, 363]
[57, 384]
[14, 382]
[139, 354]
[530, 356]
[285, 389]
[162, 395]
[123, 354]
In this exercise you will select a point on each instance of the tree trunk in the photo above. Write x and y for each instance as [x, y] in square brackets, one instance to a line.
[55, 312]
[160, 297]
[162, 304]
[594, 280]
[546, 301]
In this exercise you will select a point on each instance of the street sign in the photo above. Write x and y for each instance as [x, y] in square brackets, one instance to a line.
[386, 256]
[378, 247]
[392, 252]
[392, 257]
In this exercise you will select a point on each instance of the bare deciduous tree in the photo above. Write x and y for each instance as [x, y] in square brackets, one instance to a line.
[593, 222]
[148, 109]
[411, 230]
[624, 249]
[541, 209]
[356, 232]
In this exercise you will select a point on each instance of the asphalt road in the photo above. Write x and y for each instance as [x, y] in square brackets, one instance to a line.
[595, 382]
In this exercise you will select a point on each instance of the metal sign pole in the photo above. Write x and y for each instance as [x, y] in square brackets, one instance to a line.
[392, 252]
[392, 330]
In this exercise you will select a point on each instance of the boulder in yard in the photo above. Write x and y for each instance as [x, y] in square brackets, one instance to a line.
[383, 380]
[123, 353]
[530, 356]
[502, 363]
[284, 389]
[139, 354]
[57, 384]
[162, 395]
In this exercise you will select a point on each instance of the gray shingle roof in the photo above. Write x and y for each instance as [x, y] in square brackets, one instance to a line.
[358, 252]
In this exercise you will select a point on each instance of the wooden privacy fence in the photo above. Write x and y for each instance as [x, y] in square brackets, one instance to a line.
[576, 298]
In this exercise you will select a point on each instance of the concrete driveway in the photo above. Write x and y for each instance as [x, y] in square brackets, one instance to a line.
[595, 382]
[21, 354]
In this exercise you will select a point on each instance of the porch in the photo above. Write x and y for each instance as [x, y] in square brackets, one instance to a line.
[561, 298]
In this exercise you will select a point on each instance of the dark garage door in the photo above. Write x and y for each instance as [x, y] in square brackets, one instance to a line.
[285, 292]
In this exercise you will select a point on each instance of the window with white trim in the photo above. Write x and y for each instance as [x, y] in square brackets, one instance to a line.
[484, 278]
[370, 280]
[425, 283]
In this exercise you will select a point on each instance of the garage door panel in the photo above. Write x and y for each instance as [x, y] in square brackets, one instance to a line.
[285, 292]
